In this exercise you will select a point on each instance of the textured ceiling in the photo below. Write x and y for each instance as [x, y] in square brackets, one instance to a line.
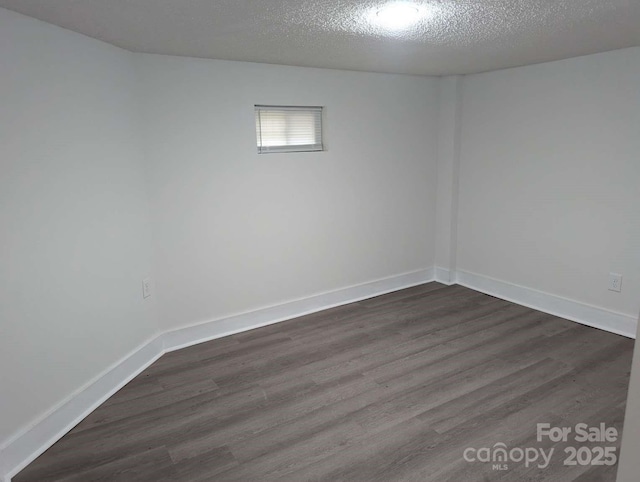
[455, 37]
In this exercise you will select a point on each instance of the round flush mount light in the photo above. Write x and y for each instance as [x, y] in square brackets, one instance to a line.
[398, 15]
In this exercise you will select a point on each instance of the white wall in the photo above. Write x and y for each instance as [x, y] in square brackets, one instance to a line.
[73, 216]
[449, 131]
[549, 169]
[237, 231]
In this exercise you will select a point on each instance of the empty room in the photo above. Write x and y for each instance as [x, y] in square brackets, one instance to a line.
[338, 240]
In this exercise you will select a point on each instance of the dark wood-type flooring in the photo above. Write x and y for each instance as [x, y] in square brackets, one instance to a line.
[393, 388]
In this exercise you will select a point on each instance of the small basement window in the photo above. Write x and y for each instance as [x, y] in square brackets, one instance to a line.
[288, 129]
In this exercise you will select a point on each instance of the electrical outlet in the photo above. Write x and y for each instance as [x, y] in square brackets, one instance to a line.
[615, 282]
[146, 287]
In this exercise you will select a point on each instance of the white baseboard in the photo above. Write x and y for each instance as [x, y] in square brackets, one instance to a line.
[582, 313]
[23, 448]
[183, 337]
[444, 276]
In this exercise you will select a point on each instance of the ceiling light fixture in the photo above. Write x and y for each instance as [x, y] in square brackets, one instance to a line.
[398, 15]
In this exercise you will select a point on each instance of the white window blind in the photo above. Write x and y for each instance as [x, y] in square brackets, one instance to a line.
[288, 129]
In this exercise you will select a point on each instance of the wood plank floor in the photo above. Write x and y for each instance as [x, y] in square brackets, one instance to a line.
[389, 389]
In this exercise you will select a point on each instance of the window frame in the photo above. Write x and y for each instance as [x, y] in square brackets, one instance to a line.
[318, 130]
